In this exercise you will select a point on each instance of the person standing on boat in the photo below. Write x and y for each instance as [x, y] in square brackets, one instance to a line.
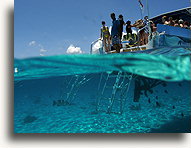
[105, 36]
[146, 30]
[128, 27]
[140, 25]
[116, 43]
[130, 35]
[121, 21]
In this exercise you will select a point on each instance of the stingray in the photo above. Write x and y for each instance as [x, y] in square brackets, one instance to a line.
[29, 119]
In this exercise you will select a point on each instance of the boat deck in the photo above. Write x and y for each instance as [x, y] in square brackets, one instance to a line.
[131, 49]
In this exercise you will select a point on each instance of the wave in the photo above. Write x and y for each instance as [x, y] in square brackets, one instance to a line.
[168, 68]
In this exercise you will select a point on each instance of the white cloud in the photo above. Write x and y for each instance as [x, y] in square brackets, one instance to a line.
[32, 43]
[73, 50]
[43, 50]
[36, 46]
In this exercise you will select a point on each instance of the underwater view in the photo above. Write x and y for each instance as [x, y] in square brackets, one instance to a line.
[118, 67]
[113, 93]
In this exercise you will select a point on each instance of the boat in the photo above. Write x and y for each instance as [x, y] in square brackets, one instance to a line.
[168, 40]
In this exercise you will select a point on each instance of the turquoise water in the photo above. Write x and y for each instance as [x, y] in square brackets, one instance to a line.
[152, 66]
[71, 94]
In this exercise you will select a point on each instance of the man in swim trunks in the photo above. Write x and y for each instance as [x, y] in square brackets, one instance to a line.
[146, 30]
[105, 35]
[115, 33]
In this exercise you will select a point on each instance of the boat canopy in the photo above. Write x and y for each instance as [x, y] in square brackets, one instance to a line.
[184, 14]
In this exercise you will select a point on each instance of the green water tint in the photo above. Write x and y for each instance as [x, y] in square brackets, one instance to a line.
[161, 67]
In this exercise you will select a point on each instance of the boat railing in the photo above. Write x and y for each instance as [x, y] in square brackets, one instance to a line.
[93, 43]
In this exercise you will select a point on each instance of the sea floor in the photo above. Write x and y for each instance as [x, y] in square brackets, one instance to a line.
[83, 119]
[34, 111]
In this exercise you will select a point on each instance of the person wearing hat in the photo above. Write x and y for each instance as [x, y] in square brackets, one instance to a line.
[181, 23]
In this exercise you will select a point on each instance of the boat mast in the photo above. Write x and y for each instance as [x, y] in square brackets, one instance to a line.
[141, 8]
[147, 4]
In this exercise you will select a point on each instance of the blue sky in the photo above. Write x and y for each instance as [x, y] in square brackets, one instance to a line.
[49, 27]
